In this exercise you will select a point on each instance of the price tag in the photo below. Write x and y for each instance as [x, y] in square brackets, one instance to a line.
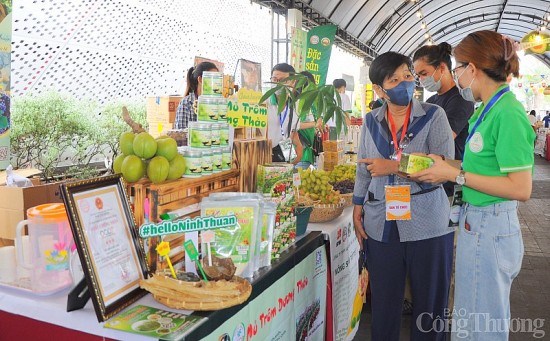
[159, 128]
[296, 179]
[208, 236]
[191, 250]
[163, 249]
[398, 202]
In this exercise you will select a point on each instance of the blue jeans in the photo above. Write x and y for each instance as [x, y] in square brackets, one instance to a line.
[488, 258]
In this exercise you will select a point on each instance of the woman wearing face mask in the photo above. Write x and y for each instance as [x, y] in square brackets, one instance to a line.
[432, 64]
[496, 173]
[422, 245]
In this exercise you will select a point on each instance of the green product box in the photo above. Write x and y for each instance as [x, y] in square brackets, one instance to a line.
[414, 163]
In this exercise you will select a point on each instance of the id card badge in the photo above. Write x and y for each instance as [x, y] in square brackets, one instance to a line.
[456, 205]
[398, 202]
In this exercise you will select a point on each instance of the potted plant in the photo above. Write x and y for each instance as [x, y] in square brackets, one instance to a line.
[321, 100]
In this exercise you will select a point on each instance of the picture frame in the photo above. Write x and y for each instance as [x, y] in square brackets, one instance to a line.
[107, 240]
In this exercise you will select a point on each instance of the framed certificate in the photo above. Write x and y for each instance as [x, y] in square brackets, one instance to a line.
[108, 243]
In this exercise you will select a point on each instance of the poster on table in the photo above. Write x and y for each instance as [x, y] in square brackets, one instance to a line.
[251, 75]
[5, 79]
[347, 302]
[218, 64]
[319, 47]
[292, 308]
[298, 44]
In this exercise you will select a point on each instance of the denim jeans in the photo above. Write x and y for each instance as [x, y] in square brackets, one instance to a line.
[488, 258]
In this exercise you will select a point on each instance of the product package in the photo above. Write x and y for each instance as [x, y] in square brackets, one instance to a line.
[274, 182]
[414, 163]
[237, 242]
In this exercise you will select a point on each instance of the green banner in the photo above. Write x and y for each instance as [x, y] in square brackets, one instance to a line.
[319, 46]
[5, 70]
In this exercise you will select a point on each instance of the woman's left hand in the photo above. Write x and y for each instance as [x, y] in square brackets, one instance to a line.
[380, 167]
[438, 173]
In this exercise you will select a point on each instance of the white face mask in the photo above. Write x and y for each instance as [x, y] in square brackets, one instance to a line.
[466, 92]
[430, 84]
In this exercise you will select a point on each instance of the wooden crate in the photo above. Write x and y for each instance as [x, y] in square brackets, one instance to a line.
[184, 194]
[247, 155]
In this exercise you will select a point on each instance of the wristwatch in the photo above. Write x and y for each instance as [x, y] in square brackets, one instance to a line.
[460, 178]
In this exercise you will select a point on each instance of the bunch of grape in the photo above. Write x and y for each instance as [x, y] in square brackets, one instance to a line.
[344, 187]
[315, 184]
[342, 172]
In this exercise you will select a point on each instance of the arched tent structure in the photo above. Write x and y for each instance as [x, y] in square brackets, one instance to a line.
[370, 27]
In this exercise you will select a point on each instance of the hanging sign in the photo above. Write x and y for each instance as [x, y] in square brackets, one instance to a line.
[319, 47]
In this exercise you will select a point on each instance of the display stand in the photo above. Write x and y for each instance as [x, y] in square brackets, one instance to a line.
[78, 296]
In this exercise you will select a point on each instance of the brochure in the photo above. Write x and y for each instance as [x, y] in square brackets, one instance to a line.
[157, 323]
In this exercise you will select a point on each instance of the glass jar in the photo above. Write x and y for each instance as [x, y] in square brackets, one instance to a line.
[207, 109]
[226, 158]
[200, 135]
[212, 83]
[216, 136]
[224, 134]
[222, 109]
[217, 160]
[193, 163]
[207, 162]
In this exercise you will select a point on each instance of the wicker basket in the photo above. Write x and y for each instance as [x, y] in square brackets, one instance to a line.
[348, 199]
[326, 212]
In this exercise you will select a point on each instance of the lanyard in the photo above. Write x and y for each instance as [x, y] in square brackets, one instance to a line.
[486, 109]
[394, 131]
[282, 119]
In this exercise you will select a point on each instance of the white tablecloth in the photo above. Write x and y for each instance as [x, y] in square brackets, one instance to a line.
[52, 309]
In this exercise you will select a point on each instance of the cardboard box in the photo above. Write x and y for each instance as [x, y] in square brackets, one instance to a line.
[162, 108]
[15, 201]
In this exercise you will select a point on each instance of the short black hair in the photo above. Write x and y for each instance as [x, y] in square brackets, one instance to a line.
[385, 65]
[284, 67]
[338, 83]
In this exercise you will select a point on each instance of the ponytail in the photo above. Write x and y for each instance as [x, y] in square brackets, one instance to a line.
[189, 85]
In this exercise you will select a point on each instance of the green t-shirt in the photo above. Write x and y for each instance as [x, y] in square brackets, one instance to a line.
[503, 143]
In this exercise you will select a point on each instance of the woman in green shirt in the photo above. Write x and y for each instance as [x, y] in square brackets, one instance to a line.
[496, 174]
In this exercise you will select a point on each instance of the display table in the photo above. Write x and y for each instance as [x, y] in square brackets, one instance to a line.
[343, 254]
[290, 290]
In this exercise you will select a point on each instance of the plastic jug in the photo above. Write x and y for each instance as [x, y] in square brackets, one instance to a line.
[51, 243]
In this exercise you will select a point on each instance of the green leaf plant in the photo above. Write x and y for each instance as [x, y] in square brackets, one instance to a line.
[321, 100]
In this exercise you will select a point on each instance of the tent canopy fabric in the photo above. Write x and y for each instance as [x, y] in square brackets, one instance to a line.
[404, 26]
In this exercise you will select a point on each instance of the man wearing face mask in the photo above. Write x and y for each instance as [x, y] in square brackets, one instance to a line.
[420, 245]
[432, 65]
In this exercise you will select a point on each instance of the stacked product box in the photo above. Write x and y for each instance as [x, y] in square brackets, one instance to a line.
[334, 153]
[275, 184]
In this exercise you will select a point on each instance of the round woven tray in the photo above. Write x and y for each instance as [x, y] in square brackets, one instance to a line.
[326, 212]
[348, 199]
[214, 295]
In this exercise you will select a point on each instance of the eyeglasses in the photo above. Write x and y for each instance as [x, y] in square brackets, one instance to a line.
[453, 71]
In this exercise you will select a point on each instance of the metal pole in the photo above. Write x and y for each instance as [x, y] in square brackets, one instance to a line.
[278, 37]
[272, 39]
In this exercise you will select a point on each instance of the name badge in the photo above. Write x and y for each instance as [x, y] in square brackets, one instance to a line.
[398, 202]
